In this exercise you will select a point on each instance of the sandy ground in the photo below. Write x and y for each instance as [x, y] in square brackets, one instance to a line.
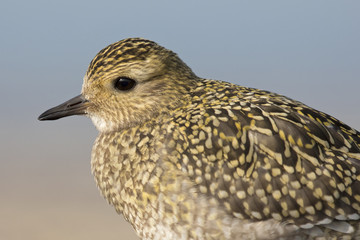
[67, 220]
[37, 218]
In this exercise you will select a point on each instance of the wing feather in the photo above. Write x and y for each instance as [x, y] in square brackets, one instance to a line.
[267, 156]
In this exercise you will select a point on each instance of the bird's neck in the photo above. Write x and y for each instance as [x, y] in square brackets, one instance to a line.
[124, 164]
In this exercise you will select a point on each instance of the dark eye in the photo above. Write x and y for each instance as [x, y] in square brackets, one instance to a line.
[124, 84]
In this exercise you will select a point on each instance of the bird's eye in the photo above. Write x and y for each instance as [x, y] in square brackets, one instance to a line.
[124, 84]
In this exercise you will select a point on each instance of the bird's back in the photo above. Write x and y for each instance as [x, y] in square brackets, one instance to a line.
[265, 156]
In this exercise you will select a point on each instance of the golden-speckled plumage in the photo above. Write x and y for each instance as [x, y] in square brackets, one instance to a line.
[183, 157]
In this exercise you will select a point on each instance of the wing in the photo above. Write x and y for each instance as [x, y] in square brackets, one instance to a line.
[266, 156]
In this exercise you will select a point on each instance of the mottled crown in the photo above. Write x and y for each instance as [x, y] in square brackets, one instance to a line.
[135, 50]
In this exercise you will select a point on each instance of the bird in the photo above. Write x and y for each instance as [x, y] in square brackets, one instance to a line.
[184, 157]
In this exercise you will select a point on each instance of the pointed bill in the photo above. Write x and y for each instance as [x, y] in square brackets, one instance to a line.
[74, 106]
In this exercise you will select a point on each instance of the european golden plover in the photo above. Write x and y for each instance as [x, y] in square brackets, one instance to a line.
[182, 157]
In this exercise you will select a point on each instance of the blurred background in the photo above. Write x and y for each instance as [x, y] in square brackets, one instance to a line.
[307, 50]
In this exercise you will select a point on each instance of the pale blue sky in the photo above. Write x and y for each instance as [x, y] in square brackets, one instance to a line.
[307, 50]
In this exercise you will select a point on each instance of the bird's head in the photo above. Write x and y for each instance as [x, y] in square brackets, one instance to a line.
[128, 82]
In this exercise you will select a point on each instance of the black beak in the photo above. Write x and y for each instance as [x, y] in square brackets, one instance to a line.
[74, 106]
